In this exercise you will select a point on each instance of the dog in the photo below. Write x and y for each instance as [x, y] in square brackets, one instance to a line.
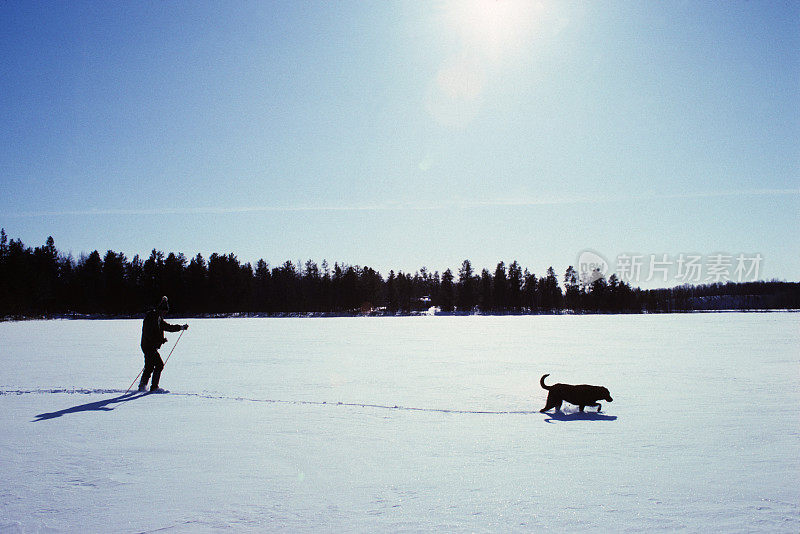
[581, 395]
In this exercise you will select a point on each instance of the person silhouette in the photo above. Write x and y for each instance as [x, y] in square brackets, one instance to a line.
[153, 328]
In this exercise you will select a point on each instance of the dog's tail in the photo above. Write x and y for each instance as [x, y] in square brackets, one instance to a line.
[541, 381]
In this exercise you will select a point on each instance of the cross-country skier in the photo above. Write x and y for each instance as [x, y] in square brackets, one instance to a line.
[153, 328]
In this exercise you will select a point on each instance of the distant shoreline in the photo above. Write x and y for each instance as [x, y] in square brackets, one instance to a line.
[323, 315]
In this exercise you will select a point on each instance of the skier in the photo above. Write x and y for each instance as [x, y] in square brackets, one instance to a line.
[153, 328]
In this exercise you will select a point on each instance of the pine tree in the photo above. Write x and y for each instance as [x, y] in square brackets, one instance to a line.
[371, 288]
[310, 287]
[20, 284]
[514, 286]
[152, 277]
[466, 287]
[244, 296]
[486, 302]
[598, 295]
[391, 293]
[261, 287]
[434, 287]
[134, 281]
[446, 292]
[500, 289]
[5, 299]
[549, 291]
[351, 300]
[573, 291]
[556, 296]
[173, 282]
[530, 295]
[404, 292]
[114, 286]
[90, 276]
[3, 246]
[45, 277]
[285, 282]
[326, 295]
[197, 285]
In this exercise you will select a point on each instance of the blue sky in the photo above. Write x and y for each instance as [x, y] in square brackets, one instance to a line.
[404, 134]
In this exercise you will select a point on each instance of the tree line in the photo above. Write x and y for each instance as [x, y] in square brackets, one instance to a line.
[41, 281]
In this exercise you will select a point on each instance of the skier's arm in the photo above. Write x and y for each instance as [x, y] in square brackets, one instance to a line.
[171, 327]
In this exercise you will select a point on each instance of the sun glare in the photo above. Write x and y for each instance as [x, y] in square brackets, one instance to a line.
[492, 26]
[488, 34]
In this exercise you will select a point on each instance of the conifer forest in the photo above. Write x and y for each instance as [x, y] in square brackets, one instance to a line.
[43, 282]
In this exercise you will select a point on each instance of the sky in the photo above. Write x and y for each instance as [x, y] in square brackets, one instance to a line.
[406, 134]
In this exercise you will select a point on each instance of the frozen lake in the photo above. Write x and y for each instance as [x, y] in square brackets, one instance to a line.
[413, 424]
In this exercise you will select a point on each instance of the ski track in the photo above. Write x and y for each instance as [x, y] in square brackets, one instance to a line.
[76, 391]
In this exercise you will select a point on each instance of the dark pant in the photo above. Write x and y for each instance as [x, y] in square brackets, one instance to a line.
[152, 364]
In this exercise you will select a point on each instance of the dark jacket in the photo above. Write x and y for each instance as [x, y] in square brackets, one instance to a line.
[153, 328]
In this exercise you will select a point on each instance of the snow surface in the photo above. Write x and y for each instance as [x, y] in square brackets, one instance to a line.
[415, 424]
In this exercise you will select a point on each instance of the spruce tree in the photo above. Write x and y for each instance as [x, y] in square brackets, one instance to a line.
[514, 286]
[114, 286]
[197, 285]
[486, 291]
[90, 275]
[573, 291]
[554, 294]
[500, 288]
[446, 292]
[466, 287]
[530, 295]
[391, 293]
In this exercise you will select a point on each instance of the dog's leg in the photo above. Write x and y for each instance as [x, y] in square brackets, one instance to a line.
[547, 406]
[582, 407]
[551, 403]
[599, 407]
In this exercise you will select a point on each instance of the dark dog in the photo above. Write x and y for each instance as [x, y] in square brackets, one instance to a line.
[581, 395]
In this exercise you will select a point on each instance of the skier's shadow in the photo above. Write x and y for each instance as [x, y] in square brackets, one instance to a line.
[578, 416]
[97, 406]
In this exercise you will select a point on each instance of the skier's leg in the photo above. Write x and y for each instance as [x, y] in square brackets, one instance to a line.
[149, 365]
[158, 365]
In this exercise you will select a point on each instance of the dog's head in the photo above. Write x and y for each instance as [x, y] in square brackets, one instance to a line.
[607, 394]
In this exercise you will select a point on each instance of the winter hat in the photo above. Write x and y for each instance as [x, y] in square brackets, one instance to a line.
[164, 304]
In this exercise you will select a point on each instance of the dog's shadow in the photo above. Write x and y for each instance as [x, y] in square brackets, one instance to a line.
[104, 405]
[578, 416]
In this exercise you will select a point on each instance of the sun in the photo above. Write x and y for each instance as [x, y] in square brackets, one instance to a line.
[494, 27]
[489, 37]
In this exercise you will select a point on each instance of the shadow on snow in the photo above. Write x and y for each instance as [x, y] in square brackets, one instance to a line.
[104, 405]
[578, 416]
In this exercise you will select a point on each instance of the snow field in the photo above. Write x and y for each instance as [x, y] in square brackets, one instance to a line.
[703, 432]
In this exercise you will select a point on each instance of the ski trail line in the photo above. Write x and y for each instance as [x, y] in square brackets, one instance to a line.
[78, 391]
[357, 405]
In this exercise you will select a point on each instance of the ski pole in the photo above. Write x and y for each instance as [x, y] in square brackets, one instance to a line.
[173, 348]
[165, 362]
[134, 381]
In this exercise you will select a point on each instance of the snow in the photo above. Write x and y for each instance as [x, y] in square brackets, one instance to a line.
[420, 424]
